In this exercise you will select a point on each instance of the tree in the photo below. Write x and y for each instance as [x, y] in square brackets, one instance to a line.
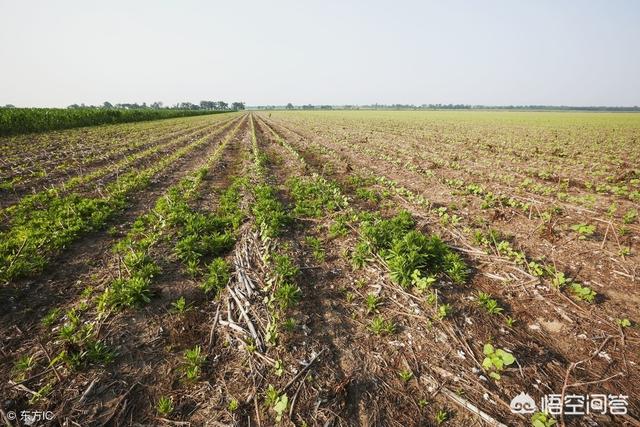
[289, 106]
[221, 105]
[107, 104]
[188, 106]
[237, 106]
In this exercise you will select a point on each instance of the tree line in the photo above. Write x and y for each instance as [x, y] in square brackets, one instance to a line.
[203, 105]
[290, 106]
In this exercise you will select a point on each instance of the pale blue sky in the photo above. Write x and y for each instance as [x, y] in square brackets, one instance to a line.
[54, 53]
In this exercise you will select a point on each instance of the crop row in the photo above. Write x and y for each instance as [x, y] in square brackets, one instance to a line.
[42, 198]
[34, 237]
[23, 120]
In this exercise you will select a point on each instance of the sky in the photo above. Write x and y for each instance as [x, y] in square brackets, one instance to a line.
[491, 52]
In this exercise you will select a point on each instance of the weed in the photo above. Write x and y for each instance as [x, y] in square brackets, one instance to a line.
[444, 310]
[495, 360]
[125, 293]
[488, 303]
[367, 195]
[372, 302]
[405, 375]
[284, 267]
[269, 213]
[381, 326]
[289, 324]
[315, 196]
[233, 405]
[422, 283]
[584, 230]
[271, 332]
[164, 407]
[339, 227]
[441, 416]
[316, 247]
[193, 363]
[180, 305]
[535, 269]
[287, 295]
[278, 368]
[276, 401]
[217, 277]
[623, 323]
[542, 419]
[630, 216]
[360, 255]
[559, 280]
[585, 293]
[50, 318]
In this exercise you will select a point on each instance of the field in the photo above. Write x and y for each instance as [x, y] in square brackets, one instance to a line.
[330, 268]
[15, 121]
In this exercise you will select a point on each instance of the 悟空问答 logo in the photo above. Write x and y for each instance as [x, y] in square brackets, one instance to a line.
[523, 404]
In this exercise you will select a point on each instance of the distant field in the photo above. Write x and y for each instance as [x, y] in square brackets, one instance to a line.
[14, 121]
[322, 267]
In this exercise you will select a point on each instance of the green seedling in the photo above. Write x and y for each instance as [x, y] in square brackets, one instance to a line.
[495, 360]
[488, 303]
[381, 326]
[585, 293]
[372, 302]
[164, 407]
[584, 230]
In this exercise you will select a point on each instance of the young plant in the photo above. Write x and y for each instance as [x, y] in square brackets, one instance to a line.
[372, 302]
[164, 407]
[180, 305]
[405, 375]
[441, 416]
[50, 318]
[495, 360]
[233, 405]
[287, 295]
[623, 323]
[278, 368]
[276, 401]
[444, 310]
[584, 230]
[488, 303]
[585, 293]
[217, 277]
[422, 284]
[23, 365]
[193, 361]
[316, 247]
[381, 326]
[510, 321]
[542, 419]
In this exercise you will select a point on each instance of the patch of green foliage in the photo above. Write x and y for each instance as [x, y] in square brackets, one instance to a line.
[407, 251]
[315, 196]
[496, 360]
[269, 213]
